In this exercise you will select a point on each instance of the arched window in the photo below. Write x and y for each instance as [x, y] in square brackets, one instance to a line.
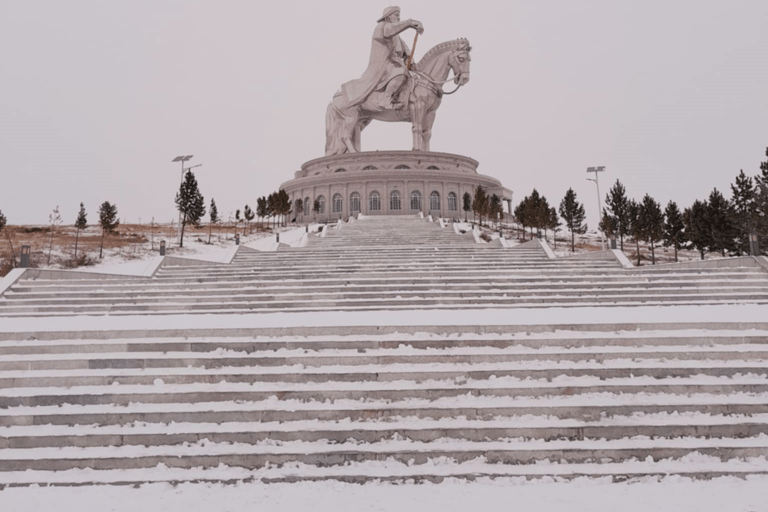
[338, 202]
[307, 206]
[354, 202]
[402, 166]
[394, 200]
[433, 168]
[340, 169]
[374, 202]
[434, 201]
[416, 200]
[370, 168]
[320, 204]
[452, 205]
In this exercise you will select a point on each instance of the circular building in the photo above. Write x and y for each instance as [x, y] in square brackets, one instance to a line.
[388, 183]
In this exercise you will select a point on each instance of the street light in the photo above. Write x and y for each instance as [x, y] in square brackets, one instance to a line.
[599, 205]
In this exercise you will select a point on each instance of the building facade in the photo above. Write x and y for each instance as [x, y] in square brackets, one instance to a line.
[388, 183]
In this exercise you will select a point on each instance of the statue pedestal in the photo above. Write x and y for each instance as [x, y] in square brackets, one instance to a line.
[388, 183]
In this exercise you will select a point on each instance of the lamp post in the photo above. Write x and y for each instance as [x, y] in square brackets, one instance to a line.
[599, 204]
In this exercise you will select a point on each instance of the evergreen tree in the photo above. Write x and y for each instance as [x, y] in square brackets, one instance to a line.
[573, 214]
[237, 219]
[249, 215]
[467, 204]
[618, 205]
[283, 204]
[3, 222]
[299, 206]
[80, 224]
[480, 203]
[652, 220]
[674, 234]
[495, 209]
[190, 203]
[609, 224]
[214, 213]
[108, 221]
[521, 215]
[261, 209]
[720, 218]
[272, 205]
[697, 229]
[635, 227]
[54, 219]
[316, 205]
[554, 224]
[745, 209]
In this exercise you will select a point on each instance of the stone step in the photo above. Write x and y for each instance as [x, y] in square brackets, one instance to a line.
[258, 455]
[216, 357]
[409, 428]
[374, 390]
[310, 295]
[582, 407]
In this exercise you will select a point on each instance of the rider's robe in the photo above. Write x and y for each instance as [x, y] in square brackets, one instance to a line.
[387, 60]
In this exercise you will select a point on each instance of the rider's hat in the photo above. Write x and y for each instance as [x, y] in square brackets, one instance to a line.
[392, 9]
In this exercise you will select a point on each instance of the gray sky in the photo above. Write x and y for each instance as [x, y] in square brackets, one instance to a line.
[97, 97]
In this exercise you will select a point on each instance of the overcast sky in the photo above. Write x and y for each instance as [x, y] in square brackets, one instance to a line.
[97, 98]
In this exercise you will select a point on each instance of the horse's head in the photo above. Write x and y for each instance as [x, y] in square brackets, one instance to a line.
[459, 61]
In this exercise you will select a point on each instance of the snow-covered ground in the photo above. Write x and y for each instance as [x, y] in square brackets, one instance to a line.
[673, 494]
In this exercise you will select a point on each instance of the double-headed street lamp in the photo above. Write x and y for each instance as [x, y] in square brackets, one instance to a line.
[599, 204]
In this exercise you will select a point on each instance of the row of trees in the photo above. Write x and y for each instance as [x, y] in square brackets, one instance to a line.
[482, 205]
[715, 224]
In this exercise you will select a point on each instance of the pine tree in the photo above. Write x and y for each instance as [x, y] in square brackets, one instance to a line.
[316, 205]
[54, 219]
[80, 224]
[283, 204]
[299, 207]
[744, 202]
[697, 229]
[554, 224]
[609, 224]
[495, 208]
[674, 227]
[480, 203]
[190, 203]
[467, 198]
[249, 215]
[573, 214]
[652, 220]
[108, 221]
[720, 218]
[617, 203]
[261, 209]
[635, 226]
[3, 222]
[214, 216]
[272, 205]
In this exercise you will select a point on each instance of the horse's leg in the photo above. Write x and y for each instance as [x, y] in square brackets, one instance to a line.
[351, 116]
[359, 127]
[429, 120]
[418, 111]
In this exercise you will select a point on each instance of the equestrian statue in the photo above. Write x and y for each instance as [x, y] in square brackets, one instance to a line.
[394, 88]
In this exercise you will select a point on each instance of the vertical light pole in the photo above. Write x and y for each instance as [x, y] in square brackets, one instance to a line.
[599, 204]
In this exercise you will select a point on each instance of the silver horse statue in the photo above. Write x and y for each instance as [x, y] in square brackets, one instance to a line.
[420, 96]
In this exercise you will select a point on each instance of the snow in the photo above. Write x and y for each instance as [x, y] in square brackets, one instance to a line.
[707, 316]
[642, 494]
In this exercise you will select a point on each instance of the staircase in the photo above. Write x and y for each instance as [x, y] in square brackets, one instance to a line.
[415, 403]
[386, 263]
[373, 402]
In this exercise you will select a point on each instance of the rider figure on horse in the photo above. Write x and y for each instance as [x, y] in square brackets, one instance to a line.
[387, 66]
